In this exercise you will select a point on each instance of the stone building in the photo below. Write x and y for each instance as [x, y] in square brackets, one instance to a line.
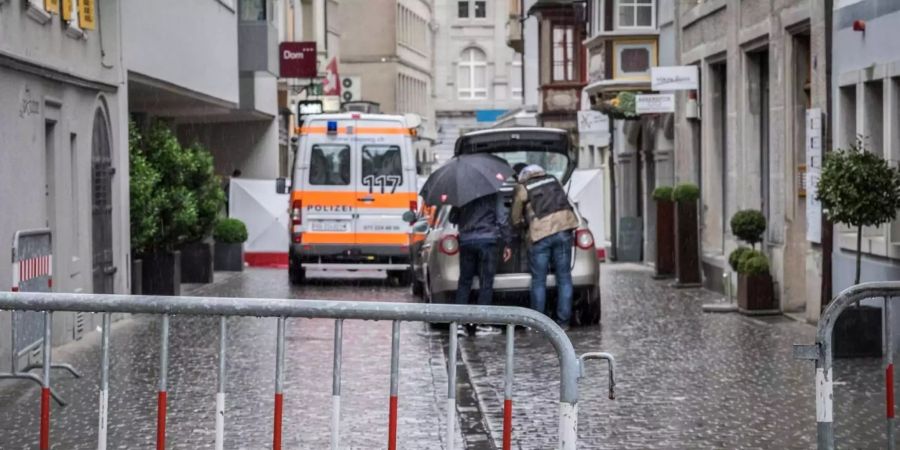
[761, 67]
[478, 78]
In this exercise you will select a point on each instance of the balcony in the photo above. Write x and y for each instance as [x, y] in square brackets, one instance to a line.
[258, 47]
[514, 36]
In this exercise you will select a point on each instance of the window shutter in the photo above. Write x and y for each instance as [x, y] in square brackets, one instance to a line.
[67, 9]
[87, 15]
[51, 6]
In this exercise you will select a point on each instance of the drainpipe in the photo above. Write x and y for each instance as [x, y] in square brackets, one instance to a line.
[827, 226]
[613, 224]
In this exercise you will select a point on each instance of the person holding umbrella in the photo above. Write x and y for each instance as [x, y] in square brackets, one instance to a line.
[470, 184]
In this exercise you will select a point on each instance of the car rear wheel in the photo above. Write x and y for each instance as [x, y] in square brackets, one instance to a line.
[586, 310]
[296, 272]
[418, 287]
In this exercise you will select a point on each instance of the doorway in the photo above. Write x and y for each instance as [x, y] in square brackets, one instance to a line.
[101, 205]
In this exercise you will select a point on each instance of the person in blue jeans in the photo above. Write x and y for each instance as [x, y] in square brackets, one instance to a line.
[483, 226]
[541, 203]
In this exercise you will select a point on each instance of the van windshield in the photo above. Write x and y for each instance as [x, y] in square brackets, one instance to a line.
[329, 165]
[553, 163]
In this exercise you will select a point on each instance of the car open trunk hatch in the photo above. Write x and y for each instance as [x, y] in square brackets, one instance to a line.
[547, 147]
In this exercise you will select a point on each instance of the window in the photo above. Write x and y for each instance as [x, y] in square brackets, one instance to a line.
[515, 77]
[480, 10]
[253, 10]
[329, 165]
[382, 168]
[466, 9]
[635, 14]
[462, 11]
[563, 53]
[472, 79]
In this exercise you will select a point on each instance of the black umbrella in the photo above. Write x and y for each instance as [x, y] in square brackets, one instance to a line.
[465, 178]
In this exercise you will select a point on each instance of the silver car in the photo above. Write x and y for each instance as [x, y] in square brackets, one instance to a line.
[436, 260]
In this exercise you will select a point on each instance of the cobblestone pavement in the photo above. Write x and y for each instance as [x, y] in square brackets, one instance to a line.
[686, 379]
[251, 356]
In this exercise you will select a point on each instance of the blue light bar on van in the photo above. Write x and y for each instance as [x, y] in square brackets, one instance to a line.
[332, 127]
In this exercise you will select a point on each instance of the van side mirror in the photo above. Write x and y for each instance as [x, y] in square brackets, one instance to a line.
[281, 186]
[409, 217]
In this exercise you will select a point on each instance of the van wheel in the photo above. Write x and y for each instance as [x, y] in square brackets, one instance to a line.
[296, 273]
[404, 277]
[587, 307]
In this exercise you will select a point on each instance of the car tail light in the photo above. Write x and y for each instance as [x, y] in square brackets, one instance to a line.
[584, 239]
[449, 245]
[413, 205]
[601, 254]
[296, 219]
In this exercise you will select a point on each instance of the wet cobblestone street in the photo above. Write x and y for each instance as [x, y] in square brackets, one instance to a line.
[686, 379]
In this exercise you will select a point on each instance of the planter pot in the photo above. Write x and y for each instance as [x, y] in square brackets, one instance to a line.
[197, 262]
[857, 333]
[162, 273]
[137, 277]
[756, 293]
[687, 245]
[665, 239]
[229, 257]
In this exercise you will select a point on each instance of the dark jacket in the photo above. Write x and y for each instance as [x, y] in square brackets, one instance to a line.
[540, 227]
[483, 220]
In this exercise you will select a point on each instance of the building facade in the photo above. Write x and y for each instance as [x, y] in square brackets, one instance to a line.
[64, 151]
[866, 103]
[479, 78]
[761, 65]
[389, 46]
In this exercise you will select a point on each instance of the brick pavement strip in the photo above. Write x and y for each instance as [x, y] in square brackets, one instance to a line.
[251, 357]
[686, 380]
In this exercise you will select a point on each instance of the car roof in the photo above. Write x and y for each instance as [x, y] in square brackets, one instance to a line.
[514, 129]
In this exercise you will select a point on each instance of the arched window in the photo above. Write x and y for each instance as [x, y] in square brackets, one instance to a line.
[472, 74]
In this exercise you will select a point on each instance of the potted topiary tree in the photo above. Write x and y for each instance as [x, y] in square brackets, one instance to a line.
[665, 232]
[230, 235]
[687, 246]
[176, 209]
[755, 288]
[197, 250]
[860, 189]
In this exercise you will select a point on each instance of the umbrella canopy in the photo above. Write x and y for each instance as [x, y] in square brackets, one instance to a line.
[465, 178]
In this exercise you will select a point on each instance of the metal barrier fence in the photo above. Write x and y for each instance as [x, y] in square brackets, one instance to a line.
[570, 365]
[821, 352]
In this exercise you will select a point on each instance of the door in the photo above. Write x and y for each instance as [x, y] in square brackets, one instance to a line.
[384, 190]
[328, 194]
[101, 198]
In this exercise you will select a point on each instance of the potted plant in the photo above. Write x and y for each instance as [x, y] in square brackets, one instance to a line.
[175, 212]
[622, 106]
[665, 232]
[197, 252]
[858, 188]
[230, 235]
[144, 208]
[755, 287]
[687, 240]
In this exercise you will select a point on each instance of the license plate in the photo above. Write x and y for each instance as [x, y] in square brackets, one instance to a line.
[333, 226]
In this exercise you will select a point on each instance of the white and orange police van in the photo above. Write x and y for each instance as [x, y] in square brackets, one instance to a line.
[354, 176]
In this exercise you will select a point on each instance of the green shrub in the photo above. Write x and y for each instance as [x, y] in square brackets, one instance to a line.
[144, 205]
[754, 263]
[686, 192]
[230, 231]
[737, 256]
[663, 193]
[201, 179]
[749, 225]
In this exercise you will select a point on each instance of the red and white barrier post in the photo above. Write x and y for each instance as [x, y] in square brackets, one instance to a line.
[279, 386]
[889, 372]
[336, 386]
[220, 393]
[45, 387]
[161, 399]
[103, 409]
[395, 384]
[451, 388]
[508, 389]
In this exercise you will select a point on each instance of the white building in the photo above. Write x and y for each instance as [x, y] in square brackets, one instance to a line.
[478, 77]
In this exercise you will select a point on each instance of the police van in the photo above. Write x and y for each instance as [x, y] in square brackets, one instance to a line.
[354, 176]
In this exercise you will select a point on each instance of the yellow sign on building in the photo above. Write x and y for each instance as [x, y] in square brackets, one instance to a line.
[87, 15]
[52, 6]
[67, 9]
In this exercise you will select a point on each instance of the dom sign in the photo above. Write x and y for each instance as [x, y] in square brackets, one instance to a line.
[298, 59]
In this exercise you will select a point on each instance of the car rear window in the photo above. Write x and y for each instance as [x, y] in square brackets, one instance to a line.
[382, 168]
[329, 165]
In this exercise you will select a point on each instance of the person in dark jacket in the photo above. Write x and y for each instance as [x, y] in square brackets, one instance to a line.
[483, 225]
[541, 203]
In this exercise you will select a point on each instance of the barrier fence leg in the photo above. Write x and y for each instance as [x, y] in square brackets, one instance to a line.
[279, 385]
[163, 375]
[889, 372]
[220, 392]
[45, 389]
[568, 425]
[395, 381]
[104, 384]
[336, 386]
[451, 388]
[507, 397]
[824, 400]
